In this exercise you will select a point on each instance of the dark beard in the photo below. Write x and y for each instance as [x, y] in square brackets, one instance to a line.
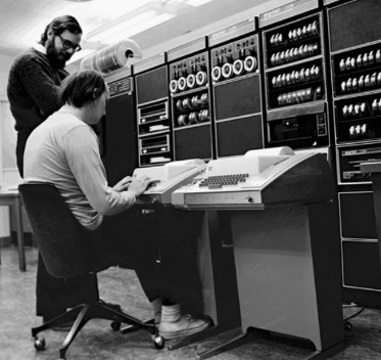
[52, 56]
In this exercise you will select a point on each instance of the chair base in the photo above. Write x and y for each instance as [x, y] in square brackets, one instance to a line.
[85, 312]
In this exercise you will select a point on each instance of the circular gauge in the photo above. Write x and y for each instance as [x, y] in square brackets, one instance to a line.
[250, 63]
[216, 73]
[201, 78]
[191, 81]
[227, 70]
[173, 86]
[182, 83]
[238, 67]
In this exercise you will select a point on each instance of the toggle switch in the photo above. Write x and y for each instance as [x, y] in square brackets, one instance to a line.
[314, 28]
[367, 80]
[274, 82]
[365, 59]
[186, 104]
[179, 105]
[373, 79]
[375, 105]
[345, 111]
[292, 77]
[282, 57]
[378, 56]
[371, 57]
[193, 118]
[359, 61]
[195, 101]
[349, 84]
[307, 74]
[298, 33]
[204, 99]
[363, 109]
[304, 31]
[182, 120]
[342, 65]
[354, 84]
[280, 100]
[272, 59]
[272, 40]
[343, 86]
[361, 82]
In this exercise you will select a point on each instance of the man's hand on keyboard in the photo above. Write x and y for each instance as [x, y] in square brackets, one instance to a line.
[123, 184]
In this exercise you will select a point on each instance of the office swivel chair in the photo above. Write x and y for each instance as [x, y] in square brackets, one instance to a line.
[66, 248]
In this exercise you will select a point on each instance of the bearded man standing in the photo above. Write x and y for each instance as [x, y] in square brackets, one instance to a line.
[33, 94]
[35, 76]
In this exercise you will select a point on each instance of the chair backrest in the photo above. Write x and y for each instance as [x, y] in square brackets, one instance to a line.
[64, 244]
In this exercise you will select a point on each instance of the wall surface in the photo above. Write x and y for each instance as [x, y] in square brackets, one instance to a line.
[8, 170]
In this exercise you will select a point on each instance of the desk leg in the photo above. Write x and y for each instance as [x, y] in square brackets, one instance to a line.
[20, 235]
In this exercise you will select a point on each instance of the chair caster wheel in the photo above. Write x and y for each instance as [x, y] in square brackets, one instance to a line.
[159, 342]
[115, 325]
[347, 325]
[39, 343]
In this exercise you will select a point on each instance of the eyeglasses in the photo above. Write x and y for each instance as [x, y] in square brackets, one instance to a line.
[67, 44]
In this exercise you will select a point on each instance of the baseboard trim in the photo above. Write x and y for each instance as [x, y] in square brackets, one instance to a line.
[5, 241]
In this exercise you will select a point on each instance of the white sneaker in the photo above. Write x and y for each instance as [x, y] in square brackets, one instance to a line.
[183, 326]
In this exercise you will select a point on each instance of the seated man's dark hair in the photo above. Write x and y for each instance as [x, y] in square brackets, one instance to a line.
[82, 87]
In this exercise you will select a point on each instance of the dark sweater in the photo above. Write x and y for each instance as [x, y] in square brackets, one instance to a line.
[33, 89]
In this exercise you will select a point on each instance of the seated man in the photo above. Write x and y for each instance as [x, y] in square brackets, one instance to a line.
[64, 151]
